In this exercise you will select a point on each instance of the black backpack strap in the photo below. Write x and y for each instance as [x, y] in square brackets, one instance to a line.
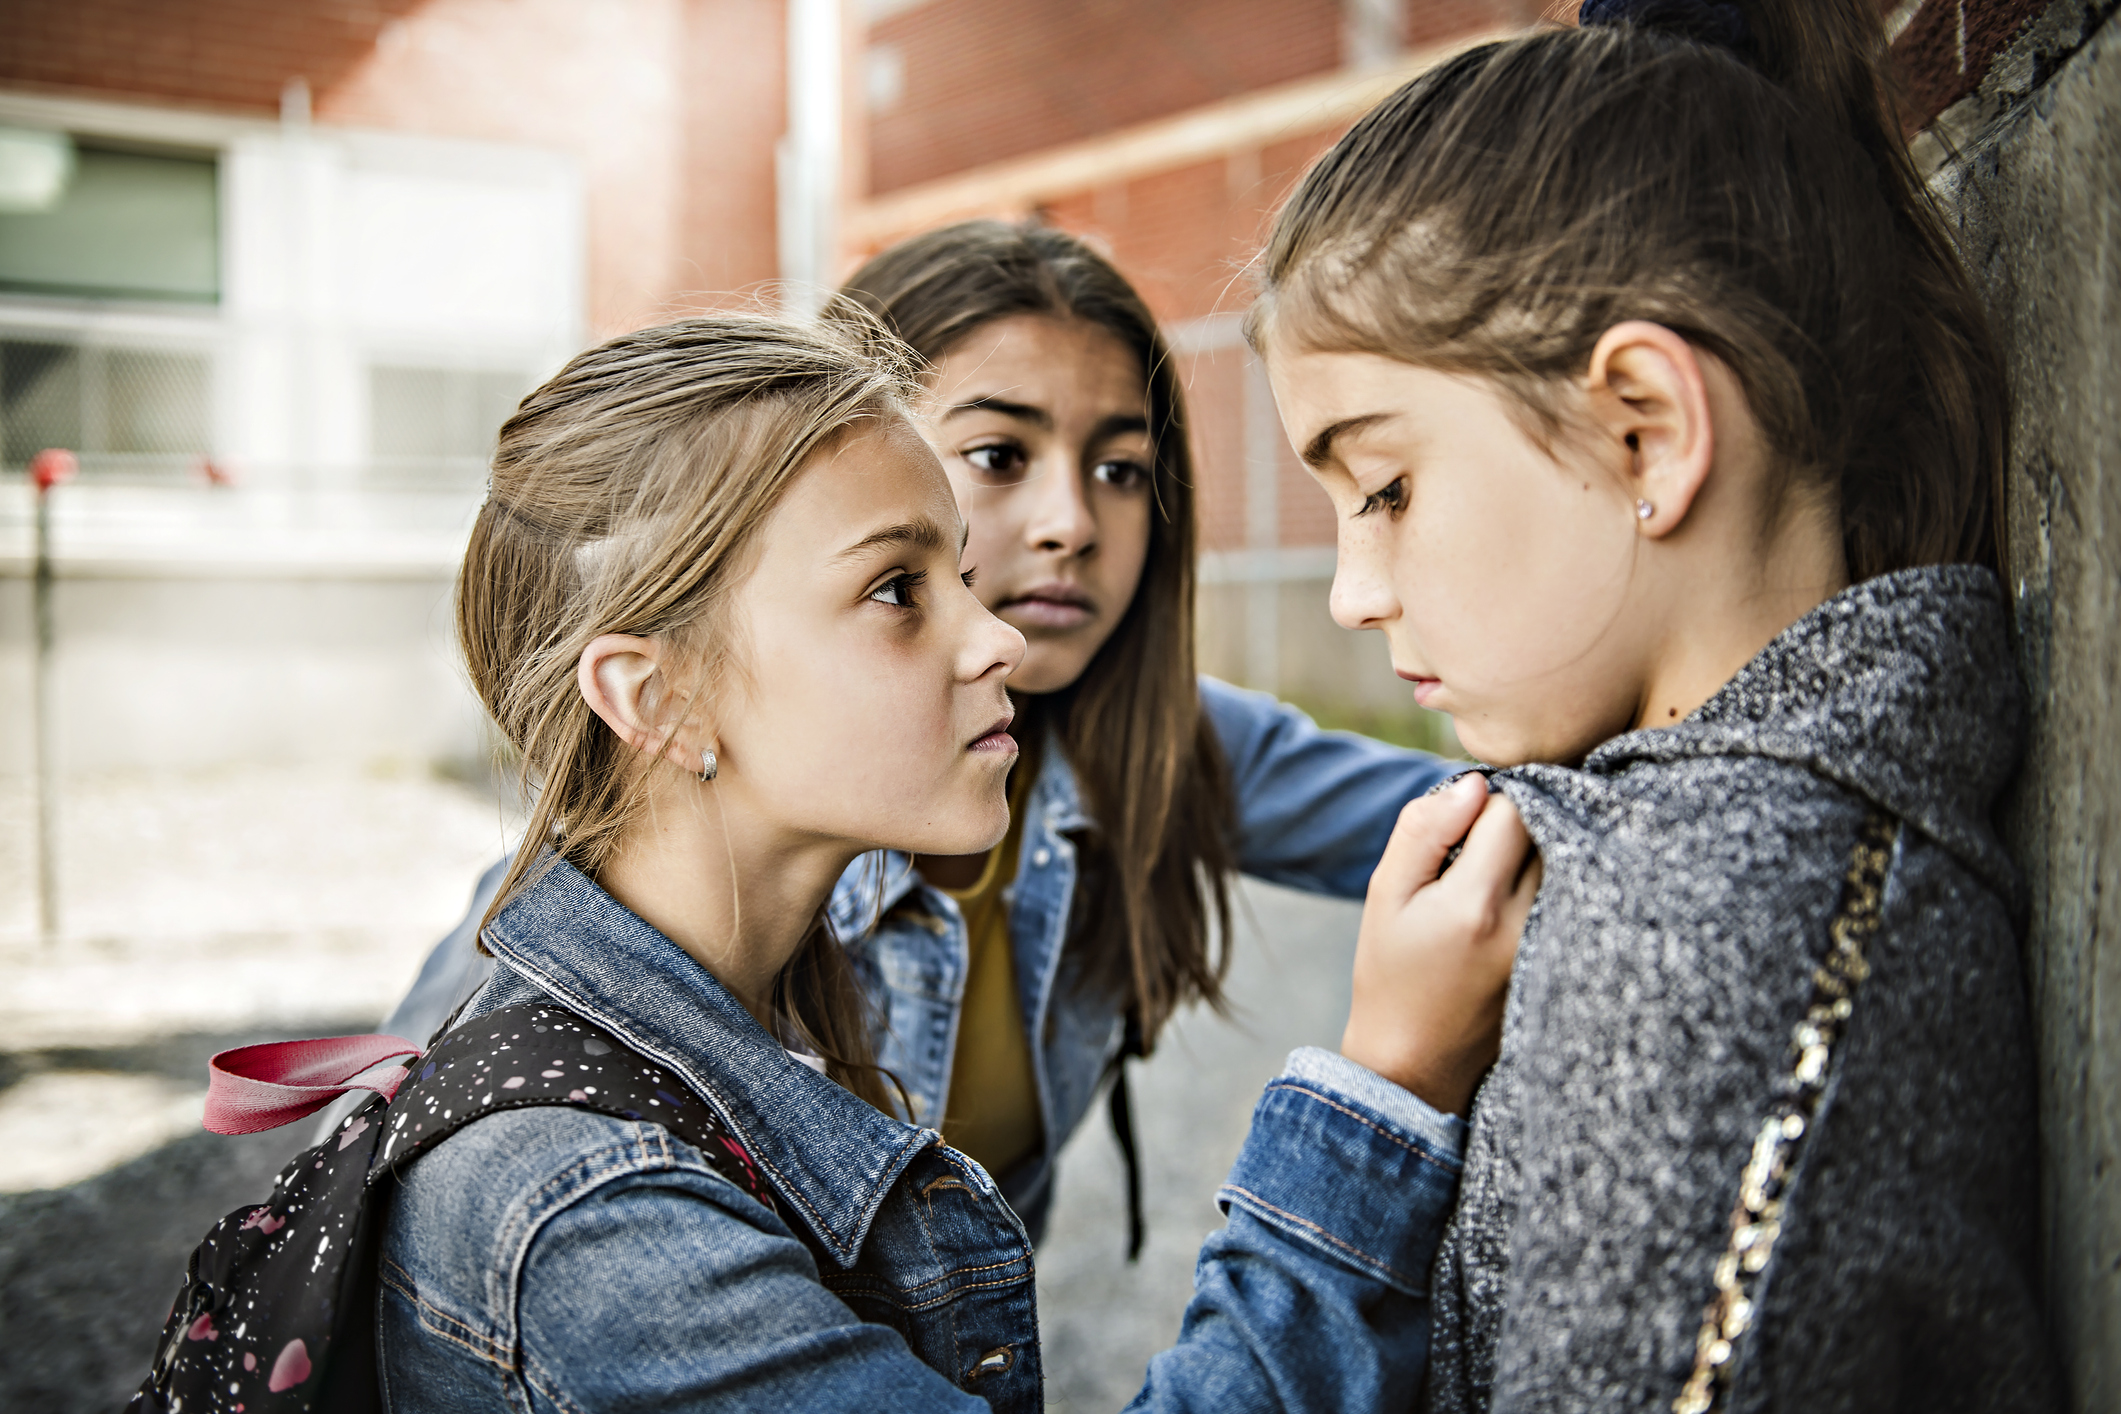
[539, 1053]
[1120, 1110]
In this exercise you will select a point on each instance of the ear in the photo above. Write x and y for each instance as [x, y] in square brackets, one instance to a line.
[1648, 393]
[618, 678]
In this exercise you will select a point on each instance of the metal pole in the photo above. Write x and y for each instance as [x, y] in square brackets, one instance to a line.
[47, 470]
[809, 156]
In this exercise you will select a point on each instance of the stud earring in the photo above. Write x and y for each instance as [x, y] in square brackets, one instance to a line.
[708, 769]
[1644, 510]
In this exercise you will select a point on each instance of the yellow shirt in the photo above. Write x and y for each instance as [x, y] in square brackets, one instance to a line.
[992, 1112]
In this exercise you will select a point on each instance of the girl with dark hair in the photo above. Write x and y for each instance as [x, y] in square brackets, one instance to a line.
[1011, 983]
[1666, 435]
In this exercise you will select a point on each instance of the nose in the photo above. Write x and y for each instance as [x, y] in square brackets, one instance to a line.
[1362, 595]
[991, 646]
[1061, 520]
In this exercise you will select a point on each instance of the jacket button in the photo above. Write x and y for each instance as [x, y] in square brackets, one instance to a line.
[1041, 857]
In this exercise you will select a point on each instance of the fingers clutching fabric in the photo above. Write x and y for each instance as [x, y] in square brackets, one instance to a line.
[1439, 937]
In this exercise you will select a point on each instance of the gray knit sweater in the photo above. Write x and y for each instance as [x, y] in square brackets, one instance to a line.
[1690, 876]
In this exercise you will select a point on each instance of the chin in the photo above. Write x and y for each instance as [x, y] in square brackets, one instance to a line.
[1492, 745]
[982, 829]
[1502, 748]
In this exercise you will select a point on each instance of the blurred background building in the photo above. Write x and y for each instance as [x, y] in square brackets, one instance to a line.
[276, 270]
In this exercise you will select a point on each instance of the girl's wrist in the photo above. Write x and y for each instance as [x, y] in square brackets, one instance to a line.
[1445, 1082]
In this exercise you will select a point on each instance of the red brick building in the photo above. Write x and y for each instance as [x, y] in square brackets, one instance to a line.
[437, 266]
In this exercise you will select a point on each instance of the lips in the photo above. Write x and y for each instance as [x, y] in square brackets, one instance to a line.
[996, 737]
[1424, 687]
[1055, 604]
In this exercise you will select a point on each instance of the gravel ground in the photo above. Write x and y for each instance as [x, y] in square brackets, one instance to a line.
[218, 910]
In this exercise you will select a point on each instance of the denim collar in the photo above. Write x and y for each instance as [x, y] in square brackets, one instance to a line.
[876, 882]
[832, 1156]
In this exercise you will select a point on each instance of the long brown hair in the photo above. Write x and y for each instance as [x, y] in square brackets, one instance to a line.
[1152, 772]
[627, 493]
[1748, 188]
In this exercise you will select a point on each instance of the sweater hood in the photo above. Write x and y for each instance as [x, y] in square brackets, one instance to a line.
[1903, 689]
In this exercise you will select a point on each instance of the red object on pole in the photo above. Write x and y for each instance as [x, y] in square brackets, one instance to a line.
[51, 466]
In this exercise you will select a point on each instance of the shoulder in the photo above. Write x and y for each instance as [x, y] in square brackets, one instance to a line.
[476, 1202]
[1238, 715]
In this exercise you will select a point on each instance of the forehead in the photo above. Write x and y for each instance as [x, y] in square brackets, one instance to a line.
[1040, 358]
[1330, 402]
[880, 472]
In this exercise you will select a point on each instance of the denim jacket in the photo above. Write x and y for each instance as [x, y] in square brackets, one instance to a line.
[1314, 809]
[552, 1260]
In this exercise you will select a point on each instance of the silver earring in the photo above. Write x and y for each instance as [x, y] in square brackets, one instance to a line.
[1644, 510]
[708, 769]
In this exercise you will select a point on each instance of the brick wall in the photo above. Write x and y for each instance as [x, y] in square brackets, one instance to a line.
[231, 54]
[981, 81]
[1947, 47]
[671, 107]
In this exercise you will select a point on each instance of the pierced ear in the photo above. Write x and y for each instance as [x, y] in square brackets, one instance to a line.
[1648, 392]
[618, 677]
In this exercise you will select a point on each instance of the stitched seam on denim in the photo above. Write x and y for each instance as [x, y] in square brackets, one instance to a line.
[1411, 1146]
[962, 1271]
[438, 1327]
[509, 1299]
[395, 1278]
[935, 1301]
[526, 1218]
[534, 1375]
[1309, 1226]
[849, 1278]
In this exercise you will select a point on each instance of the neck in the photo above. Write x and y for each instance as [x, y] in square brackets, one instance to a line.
[736, 896]
[1724, 619]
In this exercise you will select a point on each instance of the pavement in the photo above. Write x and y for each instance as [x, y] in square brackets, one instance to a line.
[209, 910]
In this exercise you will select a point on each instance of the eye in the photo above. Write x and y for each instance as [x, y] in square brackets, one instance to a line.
[1004, 461]
[898, 591]
[1391, 498]
[1121, 473]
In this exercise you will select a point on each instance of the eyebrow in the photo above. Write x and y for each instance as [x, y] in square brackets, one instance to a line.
[1319, 450]
[1116, 424]
[1023, 412]
[919, 534]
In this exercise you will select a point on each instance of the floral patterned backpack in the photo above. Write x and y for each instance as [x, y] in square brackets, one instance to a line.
[277, 1312]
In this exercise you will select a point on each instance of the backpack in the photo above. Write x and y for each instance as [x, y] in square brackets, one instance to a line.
[277, 1312]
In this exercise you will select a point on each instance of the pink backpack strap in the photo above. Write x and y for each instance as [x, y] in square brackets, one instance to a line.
[263, 1087]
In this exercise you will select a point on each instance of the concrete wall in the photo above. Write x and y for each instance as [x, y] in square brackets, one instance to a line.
[2036, 183]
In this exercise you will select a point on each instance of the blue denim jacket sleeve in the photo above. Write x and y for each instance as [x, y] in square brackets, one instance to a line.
[636, 1277]
[1314, 807]
[1315, 1294]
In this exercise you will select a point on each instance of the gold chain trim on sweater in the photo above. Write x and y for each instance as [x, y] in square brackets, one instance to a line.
[1757, 1219]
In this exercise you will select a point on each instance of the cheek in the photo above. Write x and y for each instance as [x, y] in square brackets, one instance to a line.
[852, 731]
[991, 542]
[1514, 581]
[1123, 530]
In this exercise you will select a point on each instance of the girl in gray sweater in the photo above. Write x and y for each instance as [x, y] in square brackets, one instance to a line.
[1664, 432]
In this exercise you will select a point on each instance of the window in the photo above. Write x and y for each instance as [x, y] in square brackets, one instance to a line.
[436, 426]
[107, 223]
[138, 411]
